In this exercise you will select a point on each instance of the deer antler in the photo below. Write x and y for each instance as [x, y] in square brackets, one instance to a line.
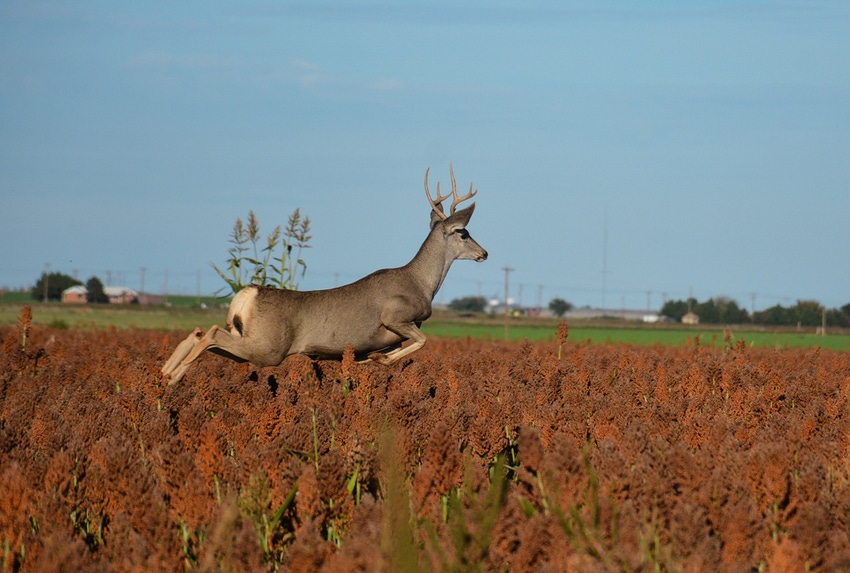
[436, 204]
[458, 200]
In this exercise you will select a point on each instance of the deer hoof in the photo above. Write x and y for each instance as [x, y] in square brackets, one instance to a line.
[379, 357]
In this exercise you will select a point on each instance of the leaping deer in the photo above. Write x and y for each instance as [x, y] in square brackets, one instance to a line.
[375, 315]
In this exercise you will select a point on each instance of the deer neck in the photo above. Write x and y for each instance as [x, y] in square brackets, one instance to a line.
[431, 264]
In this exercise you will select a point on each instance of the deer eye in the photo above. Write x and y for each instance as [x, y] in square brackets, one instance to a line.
[464, 234]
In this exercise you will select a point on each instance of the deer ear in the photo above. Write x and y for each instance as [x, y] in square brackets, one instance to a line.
[460, 219]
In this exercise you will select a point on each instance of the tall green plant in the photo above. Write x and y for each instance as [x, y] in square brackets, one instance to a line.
[248, 263]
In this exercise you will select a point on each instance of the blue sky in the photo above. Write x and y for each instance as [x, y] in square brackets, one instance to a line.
[674, 146]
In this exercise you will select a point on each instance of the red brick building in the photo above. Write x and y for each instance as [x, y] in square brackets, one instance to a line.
[75, 294]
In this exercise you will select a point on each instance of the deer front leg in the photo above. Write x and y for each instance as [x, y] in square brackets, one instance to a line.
[408, 331]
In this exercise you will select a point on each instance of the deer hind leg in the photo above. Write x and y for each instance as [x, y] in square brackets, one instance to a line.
[216, 340]
[407, 330]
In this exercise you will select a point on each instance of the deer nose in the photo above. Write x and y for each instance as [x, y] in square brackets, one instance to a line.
[482, 256]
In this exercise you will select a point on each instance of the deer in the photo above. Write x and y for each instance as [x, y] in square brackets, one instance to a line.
[379, 316]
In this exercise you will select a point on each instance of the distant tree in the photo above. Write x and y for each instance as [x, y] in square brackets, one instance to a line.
[730, 312]
[95, 291]
[707, 312]
[724, 310]
[775, 316]
[559, 306]
[469, 304]
[804, 313]
[676, 309]
[837, 317]
[717, 310]
[56, 283]
[808, 313]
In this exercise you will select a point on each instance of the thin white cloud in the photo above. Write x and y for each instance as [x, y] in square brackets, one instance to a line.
[310, 75]
[307, 73]
[387, 84]
[182, 61]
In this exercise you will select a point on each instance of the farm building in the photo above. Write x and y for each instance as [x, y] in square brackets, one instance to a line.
[75, 294]
[117, 295]
[690, 318]
[145, 298]
[121, 295]
[588, 313]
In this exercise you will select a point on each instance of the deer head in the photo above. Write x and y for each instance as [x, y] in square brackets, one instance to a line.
[454, 224]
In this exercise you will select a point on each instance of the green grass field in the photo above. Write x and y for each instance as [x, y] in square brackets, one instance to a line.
[636, 334]
[184, 314]
[179, 316]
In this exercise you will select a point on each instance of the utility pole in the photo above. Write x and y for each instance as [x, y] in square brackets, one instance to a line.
[46, 279]
[508, 271]
[604, 256]
[753, 307]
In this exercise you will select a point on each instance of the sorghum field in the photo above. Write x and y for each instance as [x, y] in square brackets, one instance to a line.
[471, 456]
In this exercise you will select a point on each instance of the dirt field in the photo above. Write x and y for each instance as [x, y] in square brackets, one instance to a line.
[472, 456]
